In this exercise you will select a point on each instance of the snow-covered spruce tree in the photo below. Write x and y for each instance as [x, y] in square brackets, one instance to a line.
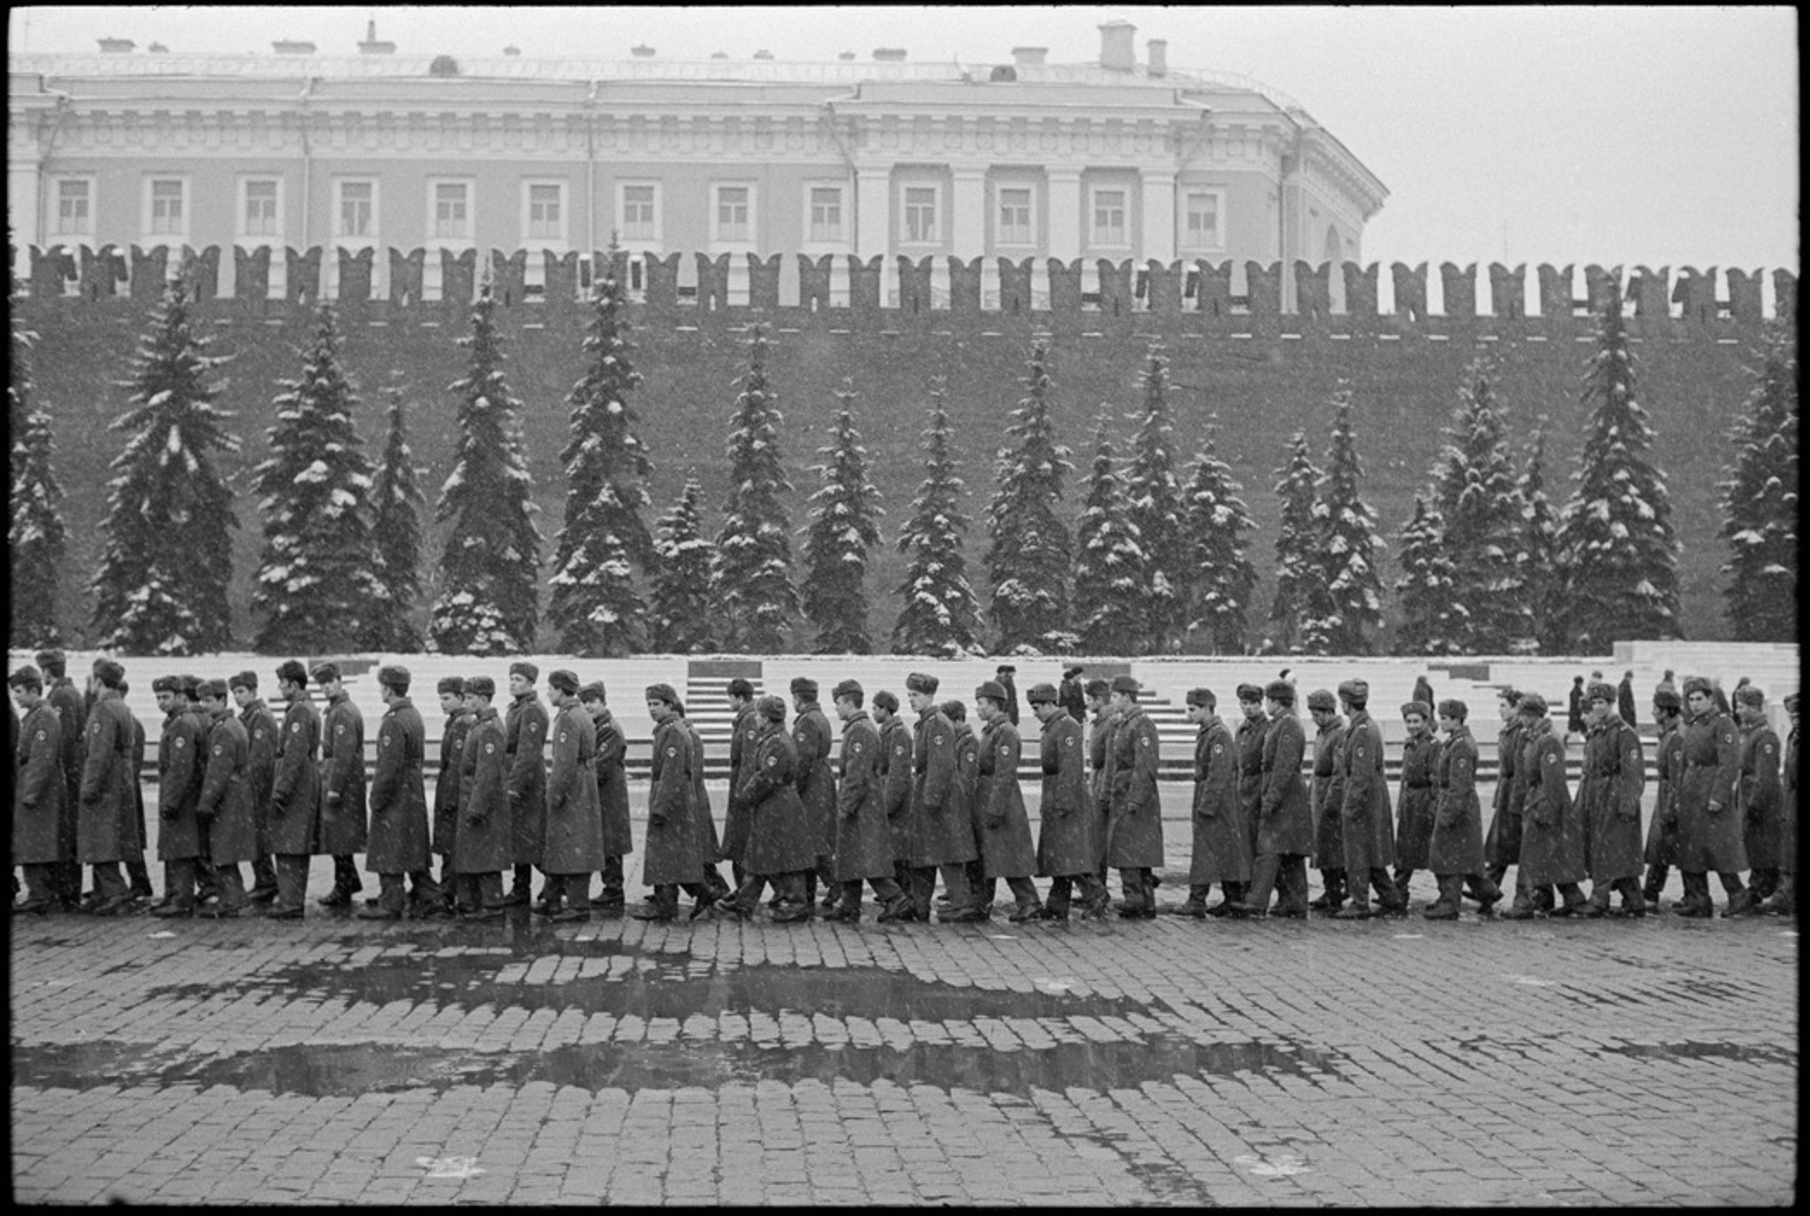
[1617, 547]
[594, 603]
[752, 576]
[1028, 560]
[160, 588]
[397, 500]
[1301, 607]
[316, 585]
[36, 535]
[1475, 497]
[1112, 595]
[841, 532]
[491, 563]
[1155, 510]
[1537, 556]
[679, 617]
[1432, 618]
[940, 614]
[1760, 499]
[1348, 542]
[1221, 575]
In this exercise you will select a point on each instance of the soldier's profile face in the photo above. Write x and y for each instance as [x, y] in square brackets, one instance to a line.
[659, 711]
[1449, 724]
[24, 696]
[1045, 710]
[519, 684]
[243, 696]
[1698, 700]
[166, 700]
[451, 701]
[1415, 723]
[474, 702]
[921, 702]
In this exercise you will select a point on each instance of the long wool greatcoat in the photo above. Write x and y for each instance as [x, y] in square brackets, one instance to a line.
[232, 828]
[967, 778]
[446, 781]
[1608, 796]
[1662, 829]
[132, 833]
[1328, 796]
[1456, 843]
[937, 805]
[1761, 806]
[72, 716]
[1006, 850]
[1065, 839]
[107, 828]
[399, 840]
[863, 836]
[574, 824]
[781, 839]
[178, 788]
[742, 741]
[39, 791]
[703, 819]
[1788, 804]
[1287, 823]
[612, 787]
[1710, 840]
[1100, 757]
[1251, 732]
[343, 773]
[295, 792]
[816, 786]
[1552, 834]
[260, 767]
[485, 843]
[671, 853]
[1502, 843]
[525, 744]
[895, 780]
[1414, 810]
[1222, 845]
[1364, 812]
[1134, 829]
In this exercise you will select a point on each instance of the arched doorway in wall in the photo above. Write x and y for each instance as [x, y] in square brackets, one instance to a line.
[1333, 256]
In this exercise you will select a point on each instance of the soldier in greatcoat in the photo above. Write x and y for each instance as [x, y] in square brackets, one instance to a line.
[703, 821]
[342, 786]
[1253, 725]
[399, 845]
[1710, 834]
[672, 859]
[1134, 829]
[574, 848]
[863, 851]
[1073, 695]
[742, 736]
[1099, 766]
[1783, 902]
[453, 729]
[1757, 796]
[1414, 806]
[1455, 847]
[1552, 838]
[1005, 830]
[295, 792]
[107, 828]
[1221, 848]
[1065, 837]
[895, 795]
[941, 821]
[1502, 839]
[1326, 796]
[1608, 798]
[1285, 832]
[72, 715]
[225, 804]
[1661, 852]
[179, 843]
[206, 883]
[812, 736]
[485, 845]
[133, 837]
[612, 798]
[961, 805]
[1006, 676]
[260, 773]
[38, 793]
[782, 842]
[525, 726]
[1365, 825]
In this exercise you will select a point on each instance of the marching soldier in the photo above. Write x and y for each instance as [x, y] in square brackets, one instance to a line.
[110, 808]
[525, 734]
[1254, 723]
[206, 884]
[342, 785]
[742, 738]
[1758, 797]
[782, 842]
[895, 796]
[179, 844]
[1005, 675]
[1066, 849]
[863, 850]
[1285, 831]
[703, 821]
[1328, 795]
[485, 844]
[1364, 823]
[962, 807]
[999, 815]
[612, 798]
[1502, 840]
[1221, 850]
[225, 804]
[672, 860]
[1414, 809]
[1661, 851]
[1783, 902]
[132, 835]
[941, 821]
[399, 843]
[1073, 695]
[816, 787]
[38, 794]
[1710, 835]
[1099, 760]
[1552, 845]
[260, 773]
[1134, 833]
[295, 792]
[72, 715]
[1455, 846]
[574, 824]
[453, 732]
[1609, 804]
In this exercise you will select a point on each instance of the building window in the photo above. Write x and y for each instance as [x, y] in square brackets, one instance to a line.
[357, 209]
[75, 206]
[1204, 227]
[733, 207]
[260, 213]
[452, 211]
[639, 209]
[1109, 217]
[826, 213]
[168, 215]
[1015, 226]
[920, 215]
[546, 211]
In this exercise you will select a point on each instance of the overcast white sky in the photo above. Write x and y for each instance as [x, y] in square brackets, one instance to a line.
[1656, 136]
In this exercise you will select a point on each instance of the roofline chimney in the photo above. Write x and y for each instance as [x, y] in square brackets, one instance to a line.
[1117, 51]
[1158, 57]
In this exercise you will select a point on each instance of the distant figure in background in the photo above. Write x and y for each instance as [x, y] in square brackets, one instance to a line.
[1669, 683]
[1423, 692]
[1073, 696]
[1624, 698]
[1005, 672]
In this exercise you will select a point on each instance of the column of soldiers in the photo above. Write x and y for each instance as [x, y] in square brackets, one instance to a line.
[896, 808]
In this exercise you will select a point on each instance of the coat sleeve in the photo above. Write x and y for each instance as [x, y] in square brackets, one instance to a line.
[1291, 746]
[179, 771]
[289, 759]
[1728, 766]
[672, 768]
[1631, 781]
[219, 769]
[1460, 785]
[468, 775]
[811, 734]
[1004, 748]
[102, 744]
[1221, 776]
[347, 756]
[1766, 790]
[566, 747]
[858, 757]
[939, 765]
[44, 757]
[1359, 766]
[530, 741]
[387, 778]
[898, 771]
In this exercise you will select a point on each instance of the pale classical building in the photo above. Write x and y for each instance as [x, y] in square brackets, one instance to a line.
[1009, 158]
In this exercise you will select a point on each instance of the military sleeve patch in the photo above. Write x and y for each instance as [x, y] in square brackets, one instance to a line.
[1069, 742]
[1218, 748]
[672, 751]
[489, 748]
[294, 727]
[339, 728]
[562, 736]
[937, 739]
[534, 726]
[217, 749]
[1767, 748]
[180, 741]
[1551, 758]
[41, 736]
[1143, 740]
[772, 760]
[856, 746]
[1729, 737]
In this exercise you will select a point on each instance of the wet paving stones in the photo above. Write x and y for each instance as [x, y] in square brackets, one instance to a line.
[1167, 1062]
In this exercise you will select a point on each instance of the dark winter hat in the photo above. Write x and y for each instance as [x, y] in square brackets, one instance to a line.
[804, 686]
[1125, 683]
[1069, 673]
[593, 692]
[886, 701]
[1667, 699]
[771, 708]
[955, 711]
[109, 672]
[480, 686]
[993, 690]
[1600, 692]
[214, 689]
[1006, 669]
[1203, 696]
[1321, 699]
[1452, 707]
[453, 684]
[1355, 690]
[1790, 702]
[522, 667]
[53, 661]
[1532, 705]
[1042, 694]
[1416, 707]
[26, 677]
[166, 684]
[1249, 692]
[662, 692]
[394, 675]
[563, 680]
[191, 686]
[325, 671]
[1698, 684]
[848, 688]
[922, 681]
[292, 671]
[1577, 679]
[1096, 688]
[1509, 693]
[245, 679]
[1749, 694]
[739, 687]
[1280, 691]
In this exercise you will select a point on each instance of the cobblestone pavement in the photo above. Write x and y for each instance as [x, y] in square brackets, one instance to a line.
[1168, 1061]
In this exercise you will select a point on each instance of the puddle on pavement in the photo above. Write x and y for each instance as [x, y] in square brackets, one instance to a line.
[1751, 1053]
[350, 1070]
